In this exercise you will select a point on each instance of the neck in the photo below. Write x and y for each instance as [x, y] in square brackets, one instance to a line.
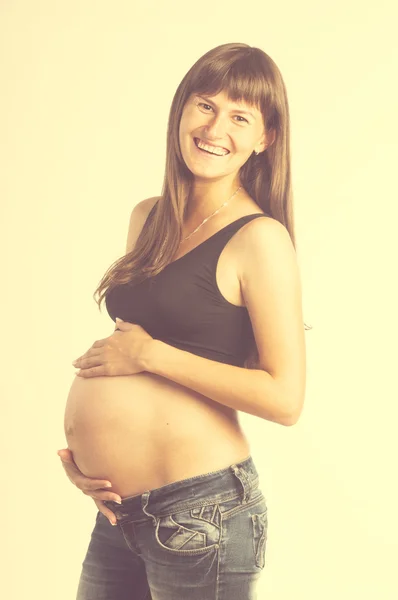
[206, 197]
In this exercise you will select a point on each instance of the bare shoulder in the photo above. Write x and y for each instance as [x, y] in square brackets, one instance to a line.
[264, 240]
[138, 216]
[271, 290]
[143, 208]
[259, 229]
[265, 230]
[147, 204]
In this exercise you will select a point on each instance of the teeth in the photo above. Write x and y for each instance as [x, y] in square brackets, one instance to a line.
[211, 149]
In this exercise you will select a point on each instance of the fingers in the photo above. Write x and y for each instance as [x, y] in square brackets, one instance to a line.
[83, 482]
[106, 512]
[94, 484]
[89, 486]
[99, 343]
[70, 466]
[73, 472]
[65, 455]
[90, 359]
[102, 495]
[98, 371]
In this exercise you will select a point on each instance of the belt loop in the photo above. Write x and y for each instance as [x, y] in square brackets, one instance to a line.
[245, 481]
[144, 503]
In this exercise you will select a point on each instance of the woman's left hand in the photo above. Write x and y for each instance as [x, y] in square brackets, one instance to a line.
[122, 353]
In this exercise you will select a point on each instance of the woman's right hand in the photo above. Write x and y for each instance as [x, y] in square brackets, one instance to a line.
[89, 486]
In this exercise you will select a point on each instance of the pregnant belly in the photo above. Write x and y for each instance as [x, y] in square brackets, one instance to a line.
[143, 431]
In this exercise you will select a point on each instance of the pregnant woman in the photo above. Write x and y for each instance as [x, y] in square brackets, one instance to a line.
[208, 298]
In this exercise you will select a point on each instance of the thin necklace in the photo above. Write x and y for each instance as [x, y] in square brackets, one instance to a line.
[212, 215]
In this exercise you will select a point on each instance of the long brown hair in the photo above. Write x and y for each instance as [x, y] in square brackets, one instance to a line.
[245, 74]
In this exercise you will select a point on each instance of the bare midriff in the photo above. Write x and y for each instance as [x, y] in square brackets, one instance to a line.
[143, 431]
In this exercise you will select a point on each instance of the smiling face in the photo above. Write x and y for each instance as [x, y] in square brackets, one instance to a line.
[231, 130]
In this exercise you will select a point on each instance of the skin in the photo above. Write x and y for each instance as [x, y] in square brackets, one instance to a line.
[132, 350]
[217, 121]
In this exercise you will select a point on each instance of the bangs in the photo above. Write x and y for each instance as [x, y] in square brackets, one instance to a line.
[242, 80]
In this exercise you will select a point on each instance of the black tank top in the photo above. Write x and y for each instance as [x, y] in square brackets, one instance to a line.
[183, 306]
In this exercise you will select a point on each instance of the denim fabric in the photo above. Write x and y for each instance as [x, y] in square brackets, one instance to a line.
[202, 538]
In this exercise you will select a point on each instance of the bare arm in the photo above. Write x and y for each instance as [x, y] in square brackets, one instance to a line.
[270, 283]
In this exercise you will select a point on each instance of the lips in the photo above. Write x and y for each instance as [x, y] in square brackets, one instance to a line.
[196, 139]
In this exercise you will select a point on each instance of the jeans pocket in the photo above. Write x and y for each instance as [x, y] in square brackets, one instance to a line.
[260, 529]
[192, 531]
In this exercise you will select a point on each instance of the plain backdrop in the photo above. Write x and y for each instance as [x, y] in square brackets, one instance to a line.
[86, 88]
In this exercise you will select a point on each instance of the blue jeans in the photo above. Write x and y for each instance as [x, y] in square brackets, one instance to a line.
[201, 538]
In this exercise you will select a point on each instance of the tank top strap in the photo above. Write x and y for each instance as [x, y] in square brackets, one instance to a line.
[222, 237]
[210, 249]
[234, 227]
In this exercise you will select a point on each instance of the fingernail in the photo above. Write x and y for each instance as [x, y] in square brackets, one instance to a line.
[112, 523]
[74, 363]
[118, 501]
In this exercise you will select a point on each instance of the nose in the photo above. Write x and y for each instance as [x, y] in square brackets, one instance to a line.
[216, 129]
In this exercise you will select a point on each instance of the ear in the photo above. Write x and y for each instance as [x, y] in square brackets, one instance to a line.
[267, 139]
[271, 137]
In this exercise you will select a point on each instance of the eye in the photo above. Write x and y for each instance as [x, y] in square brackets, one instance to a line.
[203, 104]
[239, 117]
[208, 105]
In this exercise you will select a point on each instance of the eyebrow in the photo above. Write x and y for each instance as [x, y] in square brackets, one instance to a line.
[244, 112]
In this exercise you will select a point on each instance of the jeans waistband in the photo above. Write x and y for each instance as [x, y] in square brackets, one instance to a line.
[238, 479]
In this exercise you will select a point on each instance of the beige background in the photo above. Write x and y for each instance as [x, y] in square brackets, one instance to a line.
[85, 93]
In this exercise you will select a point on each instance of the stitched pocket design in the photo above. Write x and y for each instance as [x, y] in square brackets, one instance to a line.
[193, 531]
[260, 528]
